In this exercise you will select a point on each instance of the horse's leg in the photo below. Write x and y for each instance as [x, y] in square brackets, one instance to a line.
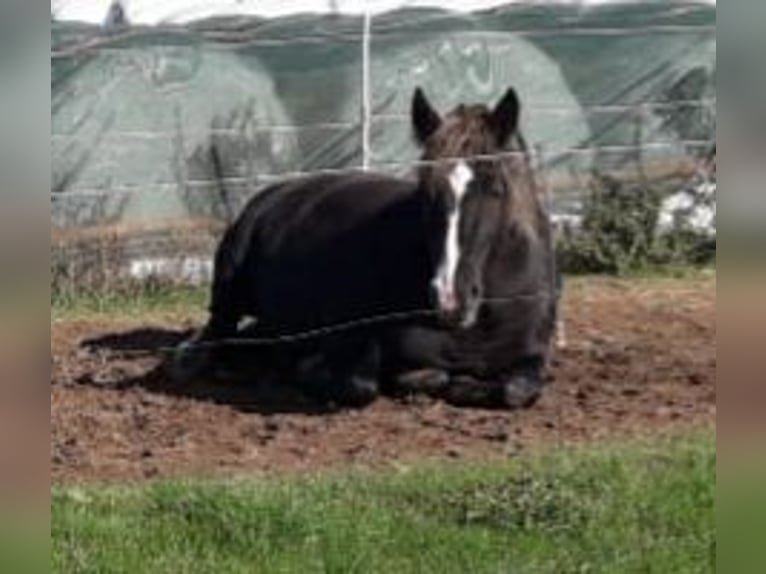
[468, 391]
[344, 372]
[355, 367]
[519, 389]
[194, 357]
[524, 386]
[412, 362]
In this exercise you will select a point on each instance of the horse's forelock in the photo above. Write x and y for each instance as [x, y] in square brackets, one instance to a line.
[466, 133]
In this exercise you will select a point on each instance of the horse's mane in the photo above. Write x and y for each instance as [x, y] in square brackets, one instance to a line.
[524, 206]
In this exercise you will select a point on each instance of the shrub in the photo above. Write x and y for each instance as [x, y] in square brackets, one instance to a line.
[618, 233]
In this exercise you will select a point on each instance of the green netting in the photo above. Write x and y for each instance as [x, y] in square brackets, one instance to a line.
[180, 122]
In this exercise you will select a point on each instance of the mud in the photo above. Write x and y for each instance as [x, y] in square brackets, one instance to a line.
[640, 358]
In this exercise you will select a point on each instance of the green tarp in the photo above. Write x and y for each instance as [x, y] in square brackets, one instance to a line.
[171, 123]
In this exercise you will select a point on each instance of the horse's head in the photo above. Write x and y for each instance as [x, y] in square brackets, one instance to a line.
[469, 186]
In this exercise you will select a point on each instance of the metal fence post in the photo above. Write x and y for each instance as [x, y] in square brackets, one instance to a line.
[366, 110]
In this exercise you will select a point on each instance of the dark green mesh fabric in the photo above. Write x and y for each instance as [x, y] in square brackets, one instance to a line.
[186, 121]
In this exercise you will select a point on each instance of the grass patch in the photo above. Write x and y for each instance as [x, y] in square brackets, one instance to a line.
[150, 301]
[174, 301]
[641, 507]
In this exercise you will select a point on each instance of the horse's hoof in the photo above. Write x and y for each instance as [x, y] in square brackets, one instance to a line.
[431, 382]
[357, 392]
[521, 392]
[339, 392]
[188, 363]
[466, 391]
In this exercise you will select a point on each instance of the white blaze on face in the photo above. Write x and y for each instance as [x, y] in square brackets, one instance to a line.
[444, 282]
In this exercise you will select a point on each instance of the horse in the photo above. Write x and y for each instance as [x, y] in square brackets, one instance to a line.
[362, 282]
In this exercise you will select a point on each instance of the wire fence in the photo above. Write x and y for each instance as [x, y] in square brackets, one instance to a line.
[106, 237]
[180, 155]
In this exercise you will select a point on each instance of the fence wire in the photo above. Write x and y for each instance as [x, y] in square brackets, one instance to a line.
[98, 255]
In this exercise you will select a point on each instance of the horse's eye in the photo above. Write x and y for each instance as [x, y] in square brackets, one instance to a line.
[488, 188]
[496, 191]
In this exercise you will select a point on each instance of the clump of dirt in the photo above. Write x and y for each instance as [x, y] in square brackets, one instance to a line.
[641, 357]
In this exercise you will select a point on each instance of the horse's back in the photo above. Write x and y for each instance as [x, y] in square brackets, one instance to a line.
[312, 210]
[327, 248]
[283, 207]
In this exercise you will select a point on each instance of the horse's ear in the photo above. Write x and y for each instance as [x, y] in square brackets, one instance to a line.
[505, 117]
[425, 120]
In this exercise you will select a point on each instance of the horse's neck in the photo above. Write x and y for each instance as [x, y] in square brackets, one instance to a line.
[524, 209]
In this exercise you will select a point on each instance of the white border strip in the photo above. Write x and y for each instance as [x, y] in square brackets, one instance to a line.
[152, 12]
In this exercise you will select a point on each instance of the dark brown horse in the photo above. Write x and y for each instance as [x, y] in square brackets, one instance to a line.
[498, 268]
[446, 283]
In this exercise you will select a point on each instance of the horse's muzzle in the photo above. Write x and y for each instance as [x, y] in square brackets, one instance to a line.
[469, 313]
[454, 312]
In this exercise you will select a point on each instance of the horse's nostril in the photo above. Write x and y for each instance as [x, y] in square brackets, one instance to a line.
[475, 292]
[449, 302]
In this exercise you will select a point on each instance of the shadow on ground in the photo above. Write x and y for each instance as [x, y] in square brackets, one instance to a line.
[140, 358]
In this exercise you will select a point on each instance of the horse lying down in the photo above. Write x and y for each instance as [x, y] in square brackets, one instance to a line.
[361, 283]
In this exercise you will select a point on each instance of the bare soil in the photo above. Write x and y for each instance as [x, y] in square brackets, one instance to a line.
[640, 358]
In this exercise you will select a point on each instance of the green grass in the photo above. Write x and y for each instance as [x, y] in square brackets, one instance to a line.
[185, 301]
[191, 301]
[640, 507]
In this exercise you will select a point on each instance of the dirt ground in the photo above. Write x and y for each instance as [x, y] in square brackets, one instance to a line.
[640, 358]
